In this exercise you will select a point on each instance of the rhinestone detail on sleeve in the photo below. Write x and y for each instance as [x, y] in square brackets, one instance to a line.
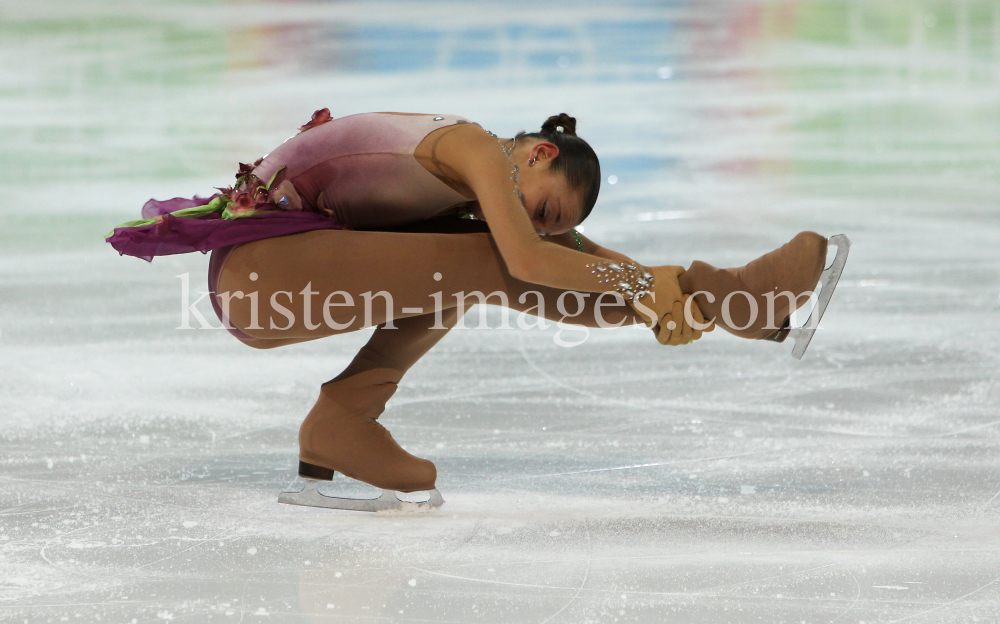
[628, 279]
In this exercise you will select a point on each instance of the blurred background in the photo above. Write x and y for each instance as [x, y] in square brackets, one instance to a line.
[106, 103]
[617, 480]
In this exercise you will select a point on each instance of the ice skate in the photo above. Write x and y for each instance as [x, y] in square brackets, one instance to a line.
[342, 434]
[828, 283]
[777, 283]
[306, 492]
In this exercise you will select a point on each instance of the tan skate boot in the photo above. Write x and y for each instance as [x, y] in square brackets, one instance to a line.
[342, 434]
[778, 282]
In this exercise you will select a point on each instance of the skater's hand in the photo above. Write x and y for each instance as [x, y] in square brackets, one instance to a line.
[672, 326]
[678, 327]
[665, 293]
[669, 312]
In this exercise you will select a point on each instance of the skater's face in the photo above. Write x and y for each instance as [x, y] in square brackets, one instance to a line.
[553, 206]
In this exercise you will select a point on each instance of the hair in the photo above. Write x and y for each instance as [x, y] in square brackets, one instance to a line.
[577, 161]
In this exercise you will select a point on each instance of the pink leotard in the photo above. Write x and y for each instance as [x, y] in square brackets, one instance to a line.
[360, 169]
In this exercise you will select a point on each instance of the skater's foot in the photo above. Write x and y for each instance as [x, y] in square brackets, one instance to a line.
[755, 301]
[342, 434]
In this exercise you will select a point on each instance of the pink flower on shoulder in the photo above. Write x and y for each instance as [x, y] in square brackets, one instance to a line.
[319, 118]
[242, 202]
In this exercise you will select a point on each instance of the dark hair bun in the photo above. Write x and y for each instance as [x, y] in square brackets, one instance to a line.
[561, 122]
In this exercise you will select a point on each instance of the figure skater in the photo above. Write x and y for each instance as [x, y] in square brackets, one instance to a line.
[420, 210]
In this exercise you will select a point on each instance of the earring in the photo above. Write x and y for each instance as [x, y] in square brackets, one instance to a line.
[531, 161]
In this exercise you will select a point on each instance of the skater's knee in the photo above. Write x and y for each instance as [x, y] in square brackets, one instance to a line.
[271, 343]
[261, 343]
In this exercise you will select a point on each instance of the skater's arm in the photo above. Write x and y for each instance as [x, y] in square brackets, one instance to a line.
[480, 164]
[567, 239]
[479, 160]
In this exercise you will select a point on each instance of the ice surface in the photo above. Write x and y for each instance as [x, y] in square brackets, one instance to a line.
[614, 481]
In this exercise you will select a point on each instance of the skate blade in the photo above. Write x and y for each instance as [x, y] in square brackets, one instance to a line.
[310, 496]
[828, 283]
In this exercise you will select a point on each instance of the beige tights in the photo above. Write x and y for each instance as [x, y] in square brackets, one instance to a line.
[342, 432]
[311, 285]
[322, 283]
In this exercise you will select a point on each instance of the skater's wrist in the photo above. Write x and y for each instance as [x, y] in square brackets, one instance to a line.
[633, 281]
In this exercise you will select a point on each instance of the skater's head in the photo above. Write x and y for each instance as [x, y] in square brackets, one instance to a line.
[563, 176]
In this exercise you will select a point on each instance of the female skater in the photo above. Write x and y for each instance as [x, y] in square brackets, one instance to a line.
[357, 222]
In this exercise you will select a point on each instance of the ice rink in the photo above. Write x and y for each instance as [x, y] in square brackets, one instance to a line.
[614, 481]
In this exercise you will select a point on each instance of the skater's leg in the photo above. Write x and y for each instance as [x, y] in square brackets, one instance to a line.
[401, 347]
[334, 281]
[777, 283]
[369, 262]
[341, 432]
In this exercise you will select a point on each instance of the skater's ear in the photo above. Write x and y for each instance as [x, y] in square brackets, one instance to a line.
[543, 153]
